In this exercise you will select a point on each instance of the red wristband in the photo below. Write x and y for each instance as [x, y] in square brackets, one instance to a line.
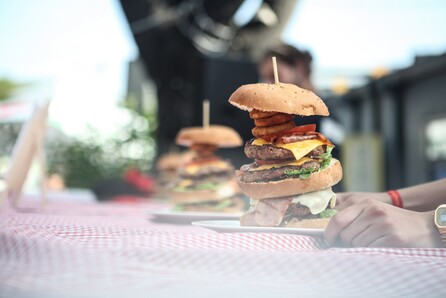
[396, 198]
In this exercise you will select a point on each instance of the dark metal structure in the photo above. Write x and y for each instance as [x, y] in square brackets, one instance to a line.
[199, 49]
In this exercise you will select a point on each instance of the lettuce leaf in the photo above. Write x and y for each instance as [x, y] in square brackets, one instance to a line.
[202, 186]
[327, 154]
[301, 173]
[327, 213]
[306, 173]
[326, 158]
[178, 208]
[223, 204]
[207, 186]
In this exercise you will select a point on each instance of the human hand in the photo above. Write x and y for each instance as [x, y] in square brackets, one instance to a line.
[371, 223]
[346, 199]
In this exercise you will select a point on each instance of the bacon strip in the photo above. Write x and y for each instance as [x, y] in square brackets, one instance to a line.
[301, 137]
[293, 138]
[249, 218]
[270, 212]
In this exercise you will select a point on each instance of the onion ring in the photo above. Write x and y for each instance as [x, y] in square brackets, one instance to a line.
[273, 120]
[256, 114]
[258, 132]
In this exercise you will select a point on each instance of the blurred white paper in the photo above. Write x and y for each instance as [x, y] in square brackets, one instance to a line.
[29, 145]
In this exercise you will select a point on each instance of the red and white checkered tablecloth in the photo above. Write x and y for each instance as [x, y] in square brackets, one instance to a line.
[115, 250]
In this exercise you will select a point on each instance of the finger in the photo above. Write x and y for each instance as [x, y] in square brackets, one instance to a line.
[361, 231]
[382, 241]
[355, 199]
[354, 230]
[341, 197]
[367, 236]
[340, 221]
[367, 227]
[343, 205]
[344, 200]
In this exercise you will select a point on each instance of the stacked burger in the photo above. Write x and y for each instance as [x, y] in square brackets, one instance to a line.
[207, 183]
[290, 180]
[167, 169]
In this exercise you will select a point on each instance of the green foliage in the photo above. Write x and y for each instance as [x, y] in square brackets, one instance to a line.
[7, 88]
[84, 163]
[8, 136]
[78, 162]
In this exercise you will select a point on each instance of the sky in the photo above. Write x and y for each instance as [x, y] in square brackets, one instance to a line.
[351, 37]
[78, 51]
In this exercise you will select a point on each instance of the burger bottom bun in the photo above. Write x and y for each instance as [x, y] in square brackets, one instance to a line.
[293, 186]
[225, 190]
[237, 206]
[314, 223]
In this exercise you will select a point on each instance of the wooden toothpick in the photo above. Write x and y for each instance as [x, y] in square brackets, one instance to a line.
[205, 113]
[276, 74]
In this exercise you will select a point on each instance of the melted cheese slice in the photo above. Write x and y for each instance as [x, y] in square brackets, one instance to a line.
[279, 165]
[185, 183]
[317, 201]
[299, 149]
[192, 169]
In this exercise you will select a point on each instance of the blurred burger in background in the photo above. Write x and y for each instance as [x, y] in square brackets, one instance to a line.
[167, 169]
[206, 183]
[290, 180]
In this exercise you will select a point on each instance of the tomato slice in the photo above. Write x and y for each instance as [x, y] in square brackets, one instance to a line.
[299, 129]
[295, 130]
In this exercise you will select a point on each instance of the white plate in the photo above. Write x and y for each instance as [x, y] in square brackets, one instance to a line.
[186, 217]
[233, 226]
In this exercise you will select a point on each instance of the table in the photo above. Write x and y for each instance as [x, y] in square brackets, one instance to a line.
[115, 250]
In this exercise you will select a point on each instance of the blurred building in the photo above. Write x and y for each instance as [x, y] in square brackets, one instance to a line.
[401, 116]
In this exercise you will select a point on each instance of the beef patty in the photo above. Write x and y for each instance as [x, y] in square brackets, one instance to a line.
[272, 174]
[271, 152]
